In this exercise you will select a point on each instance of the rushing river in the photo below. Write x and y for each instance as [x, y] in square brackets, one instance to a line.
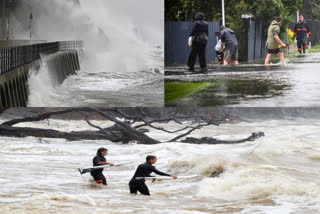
[294, 84]
[278, 173]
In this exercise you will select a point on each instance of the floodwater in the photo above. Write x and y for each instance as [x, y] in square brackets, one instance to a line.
[278, 173]
[294, 84]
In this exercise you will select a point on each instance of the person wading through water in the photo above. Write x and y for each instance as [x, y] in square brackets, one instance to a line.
[198, 40]
[229, 44]
[274, 41]
[100, 160]
[144, 170]
[302, 33]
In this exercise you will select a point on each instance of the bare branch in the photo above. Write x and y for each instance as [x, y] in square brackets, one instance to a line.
[127, 129]
[94, 126]
[185, 134]
[193, 129]
[39, 117]
[209, 140]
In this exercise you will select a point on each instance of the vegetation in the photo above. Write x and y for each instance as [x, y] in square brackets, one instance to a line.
[175, 91]
[290, 37]
[316, 9]
[132, 127]
[314, 49]
[262, 10]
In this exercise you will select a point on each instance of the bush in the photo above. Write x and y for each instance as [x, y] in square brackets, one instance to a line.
[290, 38]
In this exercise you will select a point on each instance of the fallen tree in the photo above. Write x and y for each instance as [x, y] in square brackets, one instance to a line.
[126, 128]
[210, 140]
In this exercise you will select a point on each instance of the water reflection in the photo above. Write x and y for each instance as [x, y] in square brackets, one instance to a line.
[297, 83]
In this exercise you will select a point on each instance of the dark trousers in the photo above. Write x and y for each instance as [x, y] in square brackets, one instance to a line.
[301, 45]
[200, 51]
[139, 186]
[99, 178]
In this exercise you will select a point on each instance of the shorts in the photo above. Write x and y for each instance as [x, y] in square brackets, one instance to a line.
[231, 54]
[274, 51]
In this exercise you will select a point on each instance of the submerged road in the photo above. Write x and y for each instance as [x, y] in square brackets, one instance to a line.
[295, 84]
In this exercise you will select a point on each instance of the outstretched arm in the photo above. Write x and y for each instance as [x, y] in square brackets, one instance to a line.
[105, 163]
[162, 173]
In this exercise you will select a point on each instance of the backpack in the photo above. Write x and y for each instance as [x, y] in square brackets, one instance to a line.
[200, 39]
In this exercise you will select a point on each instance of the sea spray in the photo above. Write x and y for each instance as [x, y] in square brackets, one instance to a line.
[119, 51]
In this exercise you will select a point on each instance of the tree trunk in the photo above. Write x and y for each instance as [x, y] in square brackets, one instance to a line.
[209, 140]
[50, 133]
[121, 131]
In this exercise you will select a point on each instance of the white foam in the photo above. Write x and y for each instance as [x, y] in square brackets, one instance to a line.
[116, 41]
[63, 197]
[276, 168]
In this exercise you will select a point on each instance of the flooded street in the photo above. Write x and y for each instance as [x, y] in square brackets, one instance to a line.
[294, 84]
[278, 173]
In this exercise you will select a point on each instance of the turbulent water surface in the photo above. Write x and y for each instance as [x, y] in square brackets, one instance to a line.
[122, 60]
[278, 173]
[100, 87]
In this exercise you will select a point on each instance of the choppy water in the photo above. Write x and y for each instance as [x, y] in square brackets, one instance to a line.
[278, 173]
[102, 87]
[123, 55]
[295, 84]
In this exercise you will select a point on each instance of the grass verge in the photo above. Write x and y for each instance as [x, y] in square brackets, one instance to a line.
[175, 90]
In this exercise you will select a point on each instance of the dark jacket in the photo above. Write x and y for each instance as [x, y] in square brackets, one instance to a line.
[144, 170]
[95, 162]
[301, 30]
[200, 32]
[228, 37]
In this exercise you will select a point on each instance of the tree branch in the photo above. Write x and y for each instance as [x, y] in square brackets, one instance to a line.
[209, 140]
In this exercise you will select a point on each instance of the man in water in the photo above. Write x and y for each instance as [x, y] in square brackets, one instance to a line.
[199, 40]
[100, 160]
[229, 43]
[144, 170]
[302, 33]
[273, 41]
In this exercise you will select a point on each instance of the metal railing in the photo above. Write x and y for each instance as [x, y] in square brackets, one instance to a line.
[70, 45]
[14, 57]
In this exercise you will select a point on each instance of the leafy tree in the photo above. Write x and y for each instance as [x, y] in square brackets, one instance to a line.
[316, 9]
[263, 11]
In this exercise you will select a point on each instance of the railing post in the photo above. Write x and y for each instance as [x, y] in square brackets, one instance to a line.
[14, 57]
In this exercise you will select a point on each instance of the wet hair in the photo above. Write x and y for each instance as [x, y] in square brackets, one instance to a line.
[150, 157]
[101, 150]
[278, 18]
